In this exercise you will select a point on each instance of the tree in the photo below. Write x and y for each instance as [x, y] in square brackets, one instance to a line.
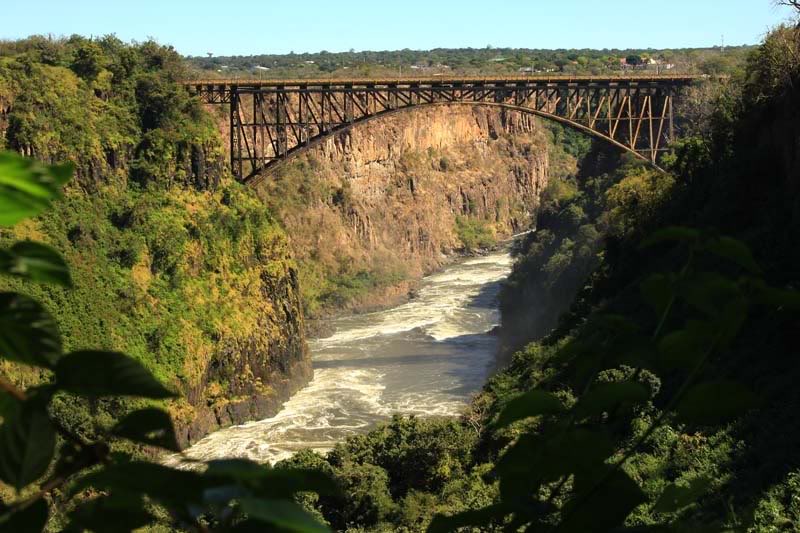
[791, 3]
[88, 61]
[634, 60]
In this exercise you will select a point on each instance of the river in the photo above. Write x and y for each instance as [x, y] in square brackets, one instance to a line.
[426, 357]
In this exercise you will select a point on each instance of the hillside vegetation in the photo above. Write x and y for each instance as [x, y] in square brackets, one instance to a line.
[471, 61]
[172, 263]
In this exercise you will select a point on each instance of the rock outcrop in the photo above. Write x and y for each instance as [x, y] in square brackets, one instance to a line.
[384, 200]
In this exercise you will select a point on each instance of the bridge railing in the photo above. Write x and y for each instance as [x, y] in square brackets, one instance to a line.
[443, 80]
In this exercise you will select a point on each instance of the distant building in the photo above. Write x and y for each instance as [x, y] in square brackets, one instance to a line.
[648, 63]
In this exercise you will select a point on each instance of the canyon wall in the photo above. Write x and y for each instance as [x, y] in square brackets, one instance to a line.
[376, 207]
[172, 263]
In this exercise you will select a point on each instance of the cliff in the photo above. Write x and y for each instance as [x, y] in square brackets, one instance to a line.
[377, 207]
[172, 262]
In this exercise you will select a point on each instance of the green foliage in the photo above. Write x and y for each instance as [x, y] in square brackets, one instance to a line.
[779, 509]
[227, 496]
[471, 61]
[579, 209]
[96, 374]
[27, 188]
[474, 233]
[569, 466]
[37, 262]
[398, 473]
[29, 334]
[152, 427]
[88, 61]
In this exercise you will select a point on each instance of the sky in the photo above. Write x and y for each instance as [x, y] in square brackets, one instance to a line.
[246, 27]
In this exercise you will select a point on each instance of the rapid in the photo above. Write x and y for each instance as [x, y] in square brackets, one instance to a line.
[427, 357]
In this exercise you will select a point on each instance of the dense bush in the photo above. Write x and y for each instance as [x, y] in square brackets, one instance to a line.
[474, 234]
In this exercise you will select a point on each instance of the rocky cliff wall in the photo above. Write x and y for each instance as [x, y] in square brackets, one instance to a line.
[378, 206]
[172, 262]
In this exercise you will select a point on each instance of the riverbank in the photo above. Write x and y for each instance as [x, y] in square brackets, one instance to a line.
[319, 325]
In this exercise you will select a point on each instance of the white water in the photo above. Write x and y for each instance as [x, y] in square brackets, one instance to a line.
[426, 357]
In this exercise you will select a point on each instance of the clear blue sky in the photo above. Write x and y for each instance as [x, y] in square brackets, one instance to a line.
[244, 27]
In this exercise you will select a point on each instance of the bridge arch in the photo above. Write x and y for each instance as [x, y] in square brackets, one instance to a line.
[271, 121]
[257, 176]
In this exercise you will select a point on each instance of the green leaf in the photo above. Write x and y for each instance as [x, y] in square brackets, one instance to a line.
[733, 250]
[658, 291]
[117, 513]
[475, 518]
[677, 496]
[611, 323]
[286, 482]
[601, 502]
[604, 397]
[535, 459]
[96, 374]
[27, 445]
[284, 514]
[777, 298]
[716, 402]
[684, 348]
[243, 470]
[169, 486]
[671, 234]
[30, 520]
[533, 403]
[148, 426]
[7, 404]
[709, 292]
[574, 349]
[35, 262]
[721, 300]
[28, 187]
[28, 333]
[275, 483]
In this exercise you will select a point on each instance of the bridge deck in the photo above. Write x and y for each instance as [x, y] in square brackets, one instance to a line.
[443, 81]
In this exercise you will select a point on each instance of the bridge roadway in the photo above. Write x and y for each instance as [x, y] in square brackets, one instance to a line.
[272, 120]
[439, 81]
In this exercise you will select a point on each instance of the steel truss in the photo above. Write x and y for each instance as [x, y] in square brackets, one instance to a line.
[270, 121]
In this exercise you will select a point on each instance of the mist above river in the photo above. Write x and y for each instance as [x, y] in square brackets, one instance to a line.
[427, 357]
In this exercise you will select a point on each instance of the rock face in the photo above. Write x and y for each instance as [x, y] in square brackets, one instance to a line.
[260, 372]
[392, 199]
[170, 265]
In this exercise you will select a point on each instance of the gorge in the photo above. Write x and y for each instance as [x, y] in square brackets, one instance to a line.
[369, 213]
[448, 318]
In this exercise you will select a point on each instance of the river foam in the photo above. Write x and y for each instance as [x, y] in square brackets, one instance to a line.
[426, 357]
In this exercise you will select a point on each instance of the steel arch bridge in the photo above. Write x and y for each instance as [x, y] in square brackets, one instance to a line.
[273, 120]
